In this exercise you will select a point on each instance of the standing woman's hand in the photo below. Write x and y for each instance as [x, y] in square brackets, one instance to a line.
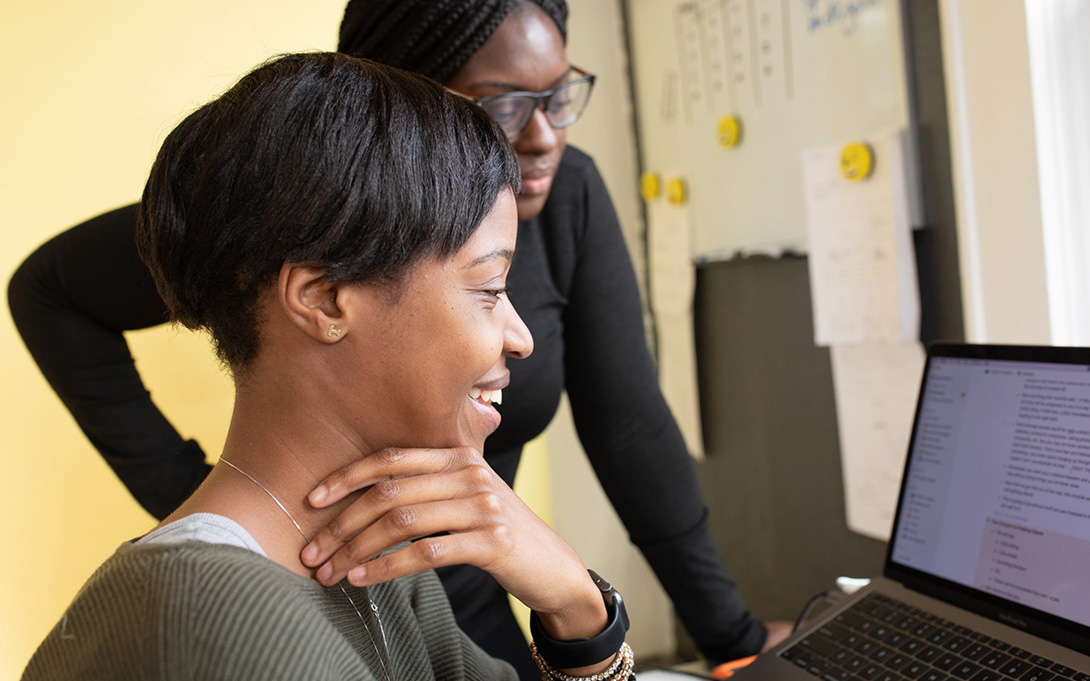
[414, 494]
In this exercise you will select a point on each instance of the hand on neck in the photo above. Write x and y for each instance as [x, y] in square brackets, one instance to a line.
[277, 461]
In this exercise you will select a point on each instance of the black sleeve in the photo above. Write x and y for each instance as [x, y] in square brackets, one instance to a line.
[71, 300]
[634, 443]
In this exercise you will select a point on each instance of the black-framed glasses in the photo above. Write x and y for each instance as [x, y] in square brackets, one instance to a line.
[563, 105]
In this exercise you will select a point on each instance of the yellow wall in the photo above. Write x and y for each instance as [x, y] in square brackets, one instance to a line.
[88, 91]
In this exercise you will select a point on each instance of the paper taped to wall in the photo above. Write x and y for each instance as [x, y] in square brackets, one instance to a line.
[673, 284]
[876, 387]
[862, 261]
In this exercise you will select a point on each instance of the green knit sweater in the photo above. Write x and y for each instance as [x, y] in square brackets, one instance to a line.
[207, 611]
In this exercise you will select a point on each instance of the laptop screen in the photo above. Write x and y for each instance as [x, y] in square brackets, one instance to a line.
[996, 493]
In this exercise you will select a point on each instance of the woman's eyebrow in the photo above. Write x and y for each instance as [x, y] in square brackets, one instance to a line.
[498, 84]
[505, 253]
[501, 85]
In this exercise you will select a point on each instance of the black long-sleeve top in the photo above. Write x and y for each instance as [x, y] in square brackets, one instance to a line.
[573, 284]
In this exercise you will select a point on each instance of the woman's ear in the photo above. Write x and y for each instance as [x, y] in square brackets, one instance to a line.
[309, 300]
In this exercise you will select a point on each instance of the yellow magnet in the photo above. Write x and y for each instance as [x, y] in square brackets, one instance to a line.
[728, 131]
[856, 161]
[650, 186]
[676, 191]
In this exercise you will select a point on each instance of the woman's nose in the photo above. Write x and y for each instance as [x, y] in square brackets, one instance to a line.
[517, 341]
[539, 136]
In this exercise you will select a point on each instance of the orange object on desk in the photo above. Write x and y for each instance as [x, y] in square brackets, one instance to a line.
[727, 669]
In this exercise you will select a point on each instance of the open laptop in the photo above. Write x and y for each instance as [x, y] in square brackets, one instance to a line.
[987, 576]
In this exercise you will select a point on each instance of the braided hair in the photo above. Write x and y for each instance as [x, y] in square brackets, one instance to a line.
[432, 37]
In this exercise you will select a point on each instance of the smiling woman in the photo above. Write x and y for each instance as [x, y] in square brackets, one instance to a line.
[357, 297]
[443, 337]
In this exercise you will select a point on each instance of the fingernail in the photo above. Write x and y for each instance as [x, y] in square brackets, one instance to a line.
[310, 554]
[357, 575]
[318, 495]
[325, 573]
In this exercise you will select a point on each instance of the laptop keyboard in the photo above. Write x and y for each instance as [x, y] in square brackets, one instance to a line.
[881, 639]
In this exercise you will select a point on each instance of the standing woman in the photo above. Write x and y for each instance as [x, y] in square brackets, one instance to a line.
[571, 280]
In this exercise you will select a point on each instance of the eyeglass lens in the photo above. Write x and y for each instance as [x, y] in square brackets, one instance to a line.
[562, 108]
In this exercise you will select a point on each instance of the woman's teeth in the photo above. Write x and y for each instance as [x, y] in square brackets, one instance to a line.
[493, 396]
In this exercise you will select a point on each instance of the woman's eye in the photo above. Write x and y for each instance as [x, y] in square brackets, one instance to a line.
[497, 292]
[505, 109]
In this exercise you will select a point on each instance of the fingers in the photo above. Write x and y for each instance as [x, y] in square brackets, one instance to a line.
[421, 555]
[415, 494]
[480, 515]
[778, 631]
[382, 498]
[392, 462]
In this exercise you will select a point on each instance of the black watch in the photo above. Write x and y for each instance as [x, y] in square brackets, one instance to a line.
[583, 652]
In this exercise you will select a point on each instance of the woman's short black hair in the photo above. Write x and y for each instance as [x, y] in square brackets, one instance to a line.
[318, 158]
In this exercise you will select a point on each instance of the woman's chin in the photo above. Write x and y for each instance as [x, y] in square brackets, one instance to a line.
[529, 206]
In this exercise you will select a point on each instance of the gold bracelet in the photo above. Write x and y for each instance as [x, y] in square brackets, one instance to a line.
[619, 670]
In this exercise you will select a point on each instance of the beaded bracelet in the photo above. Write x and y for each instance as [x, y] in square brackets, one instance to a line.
[620, 669]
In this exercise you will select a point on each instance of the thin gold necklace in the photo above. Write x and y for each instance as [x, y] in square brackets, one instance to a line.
[374, 608]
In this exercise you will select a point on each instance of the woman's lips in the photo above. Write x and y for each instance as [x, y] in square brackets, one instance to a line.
[536, 185]
[485, 406]
[485, 395]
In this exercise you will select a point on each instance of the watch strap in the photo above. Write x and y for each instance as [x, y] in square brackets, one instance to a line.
[583, 652]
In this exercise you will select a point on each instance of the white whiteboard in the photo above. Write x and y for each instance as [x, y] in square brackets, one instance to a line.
[797, 73]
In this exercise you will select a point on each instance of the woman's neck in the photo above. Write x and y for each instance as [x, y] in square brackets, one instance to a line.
[274, 458]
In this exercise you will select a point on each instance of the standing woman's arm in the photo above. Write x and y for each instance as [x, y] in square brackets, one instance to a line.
[632, 439]
[71, 300]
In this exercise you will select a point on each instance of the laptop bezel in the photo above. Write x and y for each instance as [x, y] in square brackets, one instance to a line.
[1044, 625]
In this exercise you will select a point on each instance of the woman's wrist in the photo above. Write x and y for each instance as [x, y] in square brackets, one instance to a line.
[584, 616]
[584, 645]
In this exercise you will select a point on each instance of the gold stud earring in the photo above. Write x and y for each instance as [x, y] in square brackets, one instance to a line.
[333, 331]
